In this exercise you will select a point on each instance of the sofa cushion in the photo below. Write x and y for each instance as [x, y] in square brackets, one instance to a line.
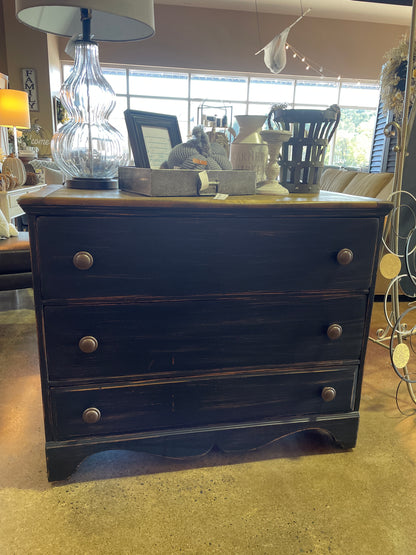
[6, 228]
[336, 180]
[386, 191]
[368, 184]
[53, 175]
[15, 254]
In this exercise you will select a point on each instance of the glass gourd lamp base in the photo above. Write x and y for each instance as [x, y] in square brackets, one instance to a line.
[87, 148]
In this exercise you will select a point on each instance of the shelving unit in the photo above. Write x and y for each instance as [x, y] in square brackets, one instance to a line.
[217, 128]
[217, 116]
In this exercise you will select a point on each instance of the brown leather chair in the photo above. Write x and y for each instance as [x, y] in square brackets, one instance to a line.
[15, 267]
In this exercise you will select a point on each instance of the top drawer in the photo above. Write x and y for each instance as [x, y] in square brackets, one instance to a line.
[133, 255]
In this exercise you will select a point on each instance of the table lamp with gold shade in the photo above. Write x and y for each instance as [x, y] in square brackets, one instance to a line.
[14, 112]
[88, 148]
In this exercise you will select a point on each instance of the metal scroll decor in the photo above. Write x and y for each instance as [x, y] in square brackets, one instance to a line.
[398, 264]
[399, 238]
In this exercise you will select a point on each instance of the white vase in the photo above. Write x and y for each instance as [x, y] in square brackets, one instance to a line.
[248, 151]
[250, 127]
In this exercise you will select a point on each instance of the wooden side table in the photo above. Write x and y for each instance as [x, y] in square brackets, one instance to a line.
[8, 200]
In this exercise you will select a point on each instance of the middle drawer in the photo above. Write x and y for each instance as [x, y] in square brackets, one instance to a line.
[100, 342]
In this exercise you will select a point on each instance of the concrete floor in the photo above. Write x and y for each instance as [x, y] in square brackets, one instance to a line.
[298, 495]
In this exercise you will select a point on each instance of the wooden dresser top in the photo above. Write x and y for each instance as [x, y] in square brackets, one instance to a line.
[62, 199]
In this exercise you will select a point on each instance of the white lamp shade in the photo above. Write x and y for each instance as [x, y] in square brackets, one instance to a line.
[112, 20]
[14, 109]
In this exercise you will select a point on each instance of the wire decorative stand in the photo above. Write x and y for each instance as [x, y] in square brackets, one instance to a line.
[398, 263]
[399, 244]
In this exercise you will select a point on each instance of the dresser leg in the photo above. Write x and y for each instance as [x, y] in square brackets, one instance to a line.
[344, 433]
[61, 464]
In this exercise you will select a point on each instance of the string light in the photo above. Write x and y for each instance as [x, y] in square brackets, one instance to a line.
[308, 63]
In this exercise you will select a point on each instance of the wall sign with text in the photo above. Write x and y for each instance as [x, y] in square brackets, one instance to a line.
[30, 86]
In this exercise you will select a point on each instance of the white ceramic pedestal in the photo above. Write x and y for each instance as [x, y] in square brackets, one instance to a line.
[274, 139]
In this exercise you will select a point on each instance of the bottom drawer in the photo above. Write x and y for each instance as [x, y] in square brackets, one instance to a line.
[198, 402]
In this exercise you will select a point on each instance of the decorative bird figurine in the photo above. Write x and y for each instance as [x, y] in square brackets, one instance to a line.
[275, 50]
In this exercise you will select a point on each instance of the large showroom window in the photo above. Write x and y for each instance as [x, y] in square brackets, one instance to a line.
[191, 95]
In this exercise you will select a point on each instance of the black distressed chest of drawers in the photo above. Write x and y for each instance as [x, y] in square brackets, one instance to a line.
[175, 325]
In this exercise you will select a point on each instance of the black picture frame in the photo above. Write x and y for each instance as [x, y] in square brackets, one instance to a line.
[152, 136]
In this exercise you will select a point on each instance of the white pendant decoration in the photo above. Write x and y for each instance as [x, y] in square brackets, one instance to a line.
[275, 50]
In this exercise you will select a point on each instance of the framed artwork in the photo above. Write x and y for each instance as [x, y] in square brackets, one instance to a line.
[4, 139]
[30, 86]
[152, 137]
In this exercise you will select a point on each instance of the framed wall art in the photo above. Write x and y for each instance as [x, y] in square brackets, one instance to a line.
[4, 141]
[152, 137]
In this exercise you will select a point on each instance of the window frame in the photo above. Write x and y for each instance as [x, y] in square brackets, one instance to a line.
[294, 80]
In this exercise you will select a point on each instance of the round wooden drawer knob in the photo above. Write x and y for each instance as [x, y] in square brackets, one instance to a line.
[345, 256]
[328, 394]
[334, 331]
[83, 260]
[88, 344]
[91, 415]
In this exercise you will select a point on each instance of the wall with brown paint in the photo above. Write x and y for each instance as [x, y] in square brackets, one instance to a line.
[27, 48]
[227, 40]
[204, 39]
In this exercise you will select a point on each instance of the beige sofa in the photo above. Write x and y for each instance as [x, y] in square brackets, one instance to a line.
[375, 185]
[53, 176]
